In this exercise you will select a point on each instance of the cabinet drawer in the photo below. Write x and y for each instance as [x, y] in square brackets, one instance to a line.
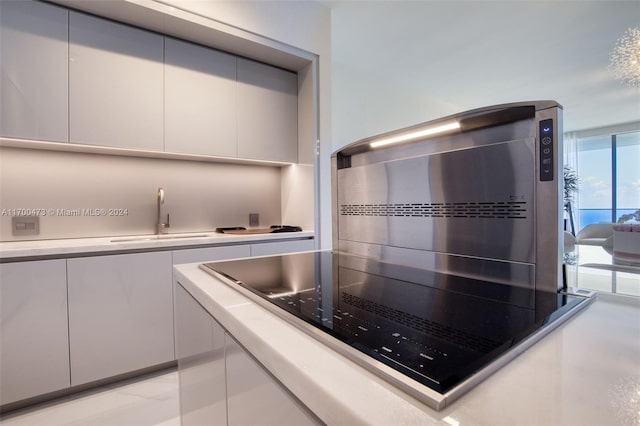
[280, 247]
[209, 254]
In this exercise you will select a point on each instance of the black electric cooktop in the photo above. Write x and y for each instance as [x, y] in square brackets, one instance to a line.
[401, 316]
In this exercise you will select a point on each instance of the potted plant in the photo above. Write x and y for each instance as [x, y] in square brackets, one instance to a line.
[571, 182]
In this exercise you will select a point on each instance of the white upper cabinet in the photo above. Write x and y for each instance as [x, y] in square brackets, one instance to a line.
[267, 112]
[72, 77]
[33, 78]
[115, 84]
[200, 100]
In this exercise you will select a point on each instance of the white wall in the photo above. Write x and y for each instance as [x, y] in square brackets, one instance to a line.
[297, 195]
[399, 63]
[368, 104]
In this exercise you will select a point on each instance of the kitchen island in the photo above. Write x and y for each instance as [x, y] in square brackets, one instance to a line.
[585, 372]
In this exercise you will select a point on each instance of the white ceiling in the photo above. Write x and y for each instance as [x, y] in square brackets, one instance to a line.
[468, 54]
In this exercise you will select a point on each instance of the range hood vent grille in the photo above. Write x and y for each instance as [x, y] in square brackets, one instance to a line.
[484, 210]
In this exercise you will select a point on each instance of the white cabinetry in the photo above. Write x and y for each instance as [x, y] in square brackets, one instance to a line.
[33, 63]
[69, 76]
[34, 343]
[267, 112]
[220, 383]
[200, 100]
[115, 84]
[120, 314]
[280, 247]
[200, 348]
[255, 397]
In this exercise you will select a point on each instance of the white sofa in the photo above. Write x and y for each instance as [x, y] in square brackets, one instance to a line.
[595, 234]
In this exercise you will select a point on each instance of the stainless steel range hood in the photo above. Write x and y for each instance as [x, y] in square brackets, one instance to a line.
[476, 194]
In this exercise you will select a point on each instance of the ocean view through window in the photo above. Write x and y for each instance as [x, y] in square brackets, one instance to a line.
[608, 169]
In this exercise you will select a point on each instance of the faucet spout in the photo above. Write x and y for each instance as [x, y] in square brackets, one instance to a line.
[161, 227]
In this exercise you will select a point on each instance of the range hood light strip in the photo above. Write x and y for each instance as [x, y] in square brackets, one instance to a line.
[415, 135]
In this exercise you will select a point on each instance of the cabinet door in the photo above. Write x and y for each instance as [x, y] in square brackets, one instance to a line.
[201, 369]
[33, 78]
[267, 112]
[115, 84]
[34, 342]
[120, 314]
[280, 247]
[255, 397]
[210, 254]
[200, 100]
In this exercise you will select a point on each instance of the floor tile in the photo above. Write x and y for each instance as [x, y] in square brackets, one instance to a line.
[150, 401]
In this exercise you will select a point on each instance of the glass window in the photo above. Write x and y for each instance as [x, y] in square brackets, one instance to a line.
[609, 179]
[594, 174]
[627, 200]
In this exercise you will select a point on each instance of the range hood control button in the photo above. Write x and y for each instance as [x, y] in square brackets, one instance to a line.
[546, 150]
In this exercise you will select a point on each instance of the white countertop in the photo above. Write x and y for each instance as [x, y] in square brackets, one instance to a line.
[586, 372]
[63, 247]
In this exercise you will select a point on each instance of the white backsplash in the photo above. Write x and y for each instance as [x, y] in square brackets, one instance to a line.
[199, 196]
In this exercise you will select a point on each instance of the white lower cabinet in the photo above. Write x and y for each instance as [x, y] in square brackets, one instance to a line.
[34, 344]
[200, 350]
[220, 383]
[67, 322]
[255, 397]
[120, 314]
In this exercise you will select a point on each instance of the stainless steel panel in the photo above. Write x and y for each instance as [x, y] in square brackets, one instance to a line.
[517, 278]
[550, 212]
[475, 202]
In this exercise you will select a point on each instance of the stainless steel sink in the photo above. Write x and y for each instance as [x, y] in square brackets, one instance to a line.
[158, 237]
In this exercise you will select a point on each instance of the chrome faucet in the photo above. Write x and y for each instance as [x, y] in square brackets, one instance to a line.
[161, 228]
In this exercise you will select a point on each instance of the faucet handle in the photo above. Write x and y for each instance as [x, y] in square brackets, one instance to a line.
[166, 225]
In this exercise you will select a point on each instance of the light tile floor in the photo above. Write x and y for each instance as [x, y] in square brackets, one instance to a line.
[148, 401]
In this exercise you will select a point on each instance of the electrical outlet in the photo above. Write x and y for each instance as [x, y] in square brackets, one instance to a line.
[25, 225]
[254, 219]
